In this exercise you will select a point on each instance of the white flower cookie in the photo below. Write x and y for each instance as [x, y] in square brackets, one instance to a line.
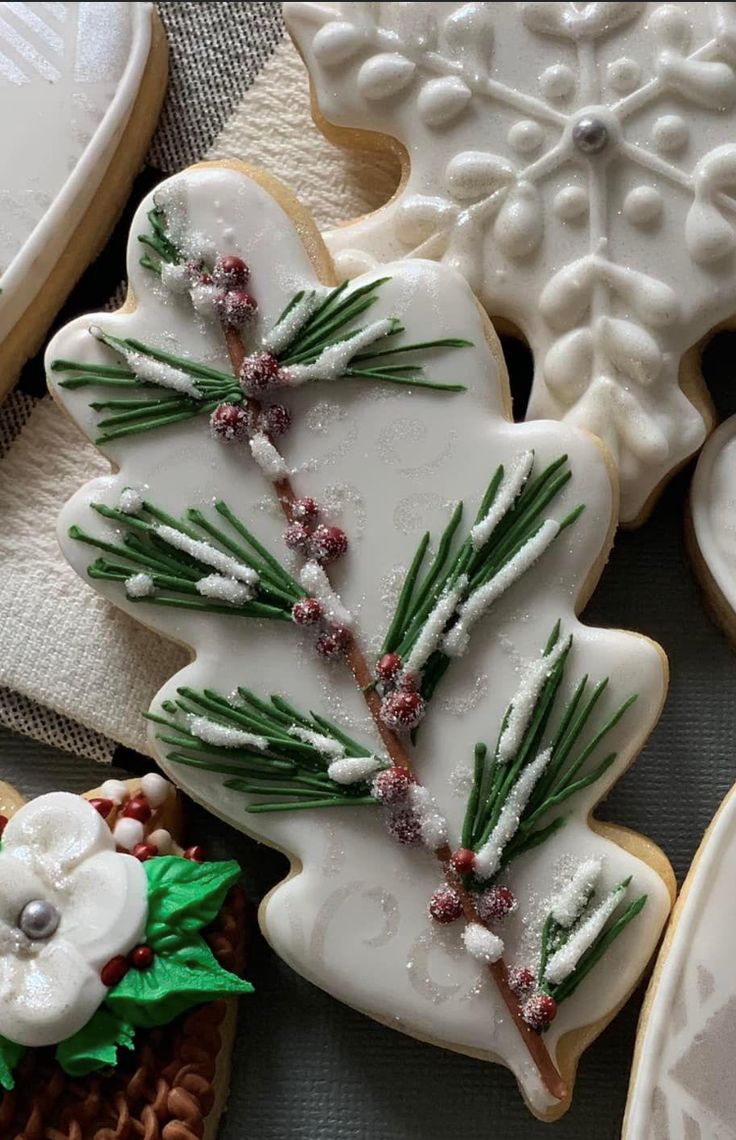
[81, 85]
[318, 488]
[575, 163]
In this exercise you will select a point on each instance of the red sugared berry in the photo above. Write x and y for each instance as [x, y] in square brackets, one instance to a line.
[392, 785]
[258, 373]
[104, 807]
[409, 682]
[275, 420]
[305, 511]
[494, 903]
[328, 543]
[402, 710]
[137, 809]
[236, 308]
[405, 827]
[3, 823]
[388, 667]
[521, 980]
[114, 971]
[333, 643]
[196, 854]
[539, 1011]
[307, 611]
[230, 272]
[462, 861]
[297, 537]
[230, 423]
[445, 905]
[141, 958]
[144, 851]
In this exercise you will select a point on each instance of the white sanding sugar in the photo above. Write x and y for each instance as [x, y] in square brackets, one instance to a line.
[204, 300]
[481, 943]
[431, 632]
[488, 858]
[572, 899]
[223, 589]
[139, 586]
[283, 333]
[314, 579]
[504, 500]
[268, 458]
[164, 375]
[208, 554]
[176, 277]
[326, 745]
[130, 501]
[223, 735]
[525, 700]
[562, 963]
[332, 362]
[353, 769]
[457, 640]
[432, 824]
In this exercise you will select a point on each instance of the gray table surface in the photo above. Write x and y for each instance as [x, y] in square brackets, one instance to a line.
[306, 1067]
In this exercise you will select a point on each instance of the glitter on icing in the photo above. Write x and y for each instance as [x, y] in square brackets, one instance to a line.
[222, 735]
[333, 360]
[140, 586]
[223, 589]
[524, 701]
[562, 963]
[130, 501]
[457, 640]
[269, 459]
[481, 943]
[432, 824]
[157, 372]
[284, 332]
[488, 858]
[353, 769]
[504, 500]
[208, 554]
[327, 745]
[571, 900]
[314, 579]
[431, 633]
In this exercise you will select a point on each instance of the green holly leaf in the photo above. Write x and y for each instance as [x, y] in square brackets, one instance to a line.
[95, 1046]
[173, 984]
[10, 1055]
[183, 897]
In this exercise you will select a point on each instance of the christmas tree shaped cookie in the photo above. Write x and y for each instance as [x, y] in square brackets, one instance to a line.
[317, 488]
[117, 948]
[576, 163]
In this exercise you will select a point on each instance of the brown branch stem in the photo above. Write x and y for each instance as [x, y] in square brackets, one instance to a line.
[534, 1042]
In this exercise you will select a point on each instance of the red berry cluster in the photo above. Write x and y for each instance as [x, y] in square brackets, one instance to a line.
[539, 1011]
[236, 423]
[140, 958]
[306, 535]
[403, 706]
[391, 788]
[233, 305]
[259, 372]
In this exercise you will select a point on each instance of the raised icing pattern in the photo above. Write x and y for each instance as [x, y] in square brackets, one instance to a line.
[374, 946]
[501, 188]
[69, 76]
[681, 1084]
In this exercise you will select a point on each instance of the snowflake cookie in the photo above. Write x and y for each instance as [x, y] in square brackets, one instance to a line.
[681, 1082]
[109, 930]
[575, 162]
[317, 488]
[81, 86]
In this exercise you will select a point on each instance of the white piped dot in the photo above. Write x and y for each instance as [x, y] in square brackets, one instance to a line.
[642, 205]
[624, 75]
[570, 203]
[161, 839]
[558, 81]
[115, 790]
[155, 788]
[670, 133]
[128, 832]
[526, 136]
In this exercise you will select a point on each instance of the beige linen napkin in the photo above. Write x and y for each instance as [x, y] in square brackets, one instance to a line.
[74, 671]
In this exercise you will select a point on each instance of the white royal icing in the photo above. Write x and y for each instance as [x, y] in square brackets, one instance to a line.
[713, 507]
[69, 79]
[682, 1083]
[58, 848]
[359, 928]
[585, 250]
